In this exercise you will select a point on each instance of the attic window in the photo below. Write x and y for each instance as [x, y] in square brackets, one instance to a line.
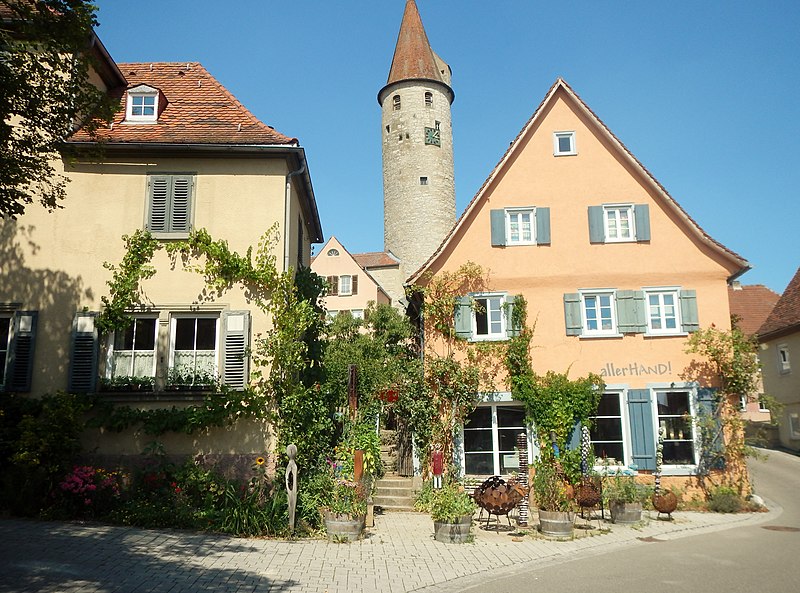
[333, 252]
[564, 144]
[142, 105]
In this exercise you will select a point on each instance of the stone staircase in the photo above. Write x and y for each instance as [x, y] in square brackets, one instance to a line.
[394, 493]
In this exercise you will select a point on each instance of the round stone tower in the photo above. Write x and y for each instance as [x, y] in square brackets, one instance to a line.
[419, 204]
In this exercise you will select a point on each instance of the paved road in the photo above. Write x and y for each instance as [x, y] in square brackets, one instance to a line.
[753, 558]
[398, 555]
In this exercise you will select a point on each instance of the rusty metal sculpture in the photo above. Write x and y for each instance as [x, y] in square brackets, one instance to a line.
[499, 497]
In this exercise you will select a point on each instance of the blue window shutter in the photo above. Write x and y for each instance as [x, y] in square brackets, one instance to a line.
[597, 228]
[712, 444]
[84, 345]
[543, 226]
[643, 445]
[498, 222]
[572, 314]
[512, 329]
[235, 344]
[641, 215]
[19, 365]
[631, 311]
[574, 442]
[463, 317]
[690, 322]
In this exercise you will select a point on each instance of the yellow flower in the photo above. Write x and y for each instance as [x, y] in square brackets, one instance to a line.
[260, 461]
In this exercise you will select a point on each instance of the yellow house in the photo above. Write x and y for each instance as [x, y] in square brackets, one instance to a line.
[616, 276]
[181, 154]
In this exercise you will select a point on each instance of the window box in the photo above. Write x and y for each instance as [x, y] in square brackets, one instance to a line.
[124, 384]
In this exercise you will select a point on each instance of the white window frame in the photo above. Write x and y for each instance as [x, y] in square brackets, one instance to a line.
[495, 428]
[349, 290]
[570, 135]
[520, 212]
[794, 426]
[490, 335]
[676, 298]
[111, 363]
[204, 315]
[691, 395]
[607, 225]
[625, 429]
[132, 95]
[784, 363]
[598, 294]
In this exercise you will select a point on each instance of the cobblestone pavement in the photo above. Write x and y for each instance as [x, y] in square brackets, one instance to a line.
[397, 555]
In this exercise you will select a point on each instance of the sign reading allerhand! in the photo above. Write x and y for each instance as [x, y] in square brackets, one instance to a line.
[634, 369]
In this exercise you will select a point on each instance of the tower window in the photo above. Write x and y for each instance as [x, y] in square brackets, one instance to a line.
[423, 181]
[388, 129]
[396, 102]
[428, 99]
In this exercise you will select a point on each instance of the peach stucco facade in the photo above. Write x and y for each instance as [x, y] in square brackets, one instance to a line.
[604, 295]
[333, 262]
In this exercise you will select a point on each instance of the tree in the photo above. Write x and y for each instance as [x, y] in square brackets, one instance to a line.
[45, 91]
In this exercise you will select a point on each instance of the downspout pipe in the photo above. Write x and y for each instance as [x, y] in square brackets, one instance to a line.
[287, 216]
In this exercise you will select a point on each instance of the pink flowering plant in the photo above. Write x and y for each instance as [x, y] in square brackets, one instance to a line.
[89, 491]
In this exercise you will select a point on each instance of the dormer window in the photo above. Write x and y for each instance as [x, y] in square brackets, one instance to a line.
[142, 104]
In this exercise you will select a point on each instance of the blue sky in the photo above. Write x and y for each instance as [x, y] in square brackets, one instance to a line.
[705, 94]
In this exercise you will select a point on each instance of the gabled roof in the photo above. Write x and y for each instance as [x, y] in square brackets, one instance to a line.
[376, 259]
[752, 304]
[413, 57]
[785, 316]
[199, 110]
[355, 257]
[738, 263]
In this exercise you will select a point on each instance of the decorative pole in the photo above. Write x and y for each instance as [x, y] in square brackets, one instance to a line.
[659, 459]
[586, 442]
[291, 483]
[522, 447]
[352, 390]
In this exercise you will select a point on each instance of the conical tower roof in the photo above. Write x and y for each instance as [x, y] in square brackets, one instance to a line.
[413, 57]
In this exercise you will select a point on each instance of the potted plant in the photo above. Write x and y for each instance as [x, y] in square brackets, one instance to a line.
[553, 499]
[345, 509]
[187, 380]
[451, 509]
[126, 384]
[625, 497]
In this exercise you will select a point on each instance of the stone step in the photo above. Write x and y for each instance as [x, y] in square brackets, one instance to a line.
[393, 502]
[394, 493]
[402, 492]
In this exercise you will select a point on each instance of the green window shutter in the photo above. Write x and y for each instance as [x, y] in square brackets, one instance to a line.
[512, 328]
[236, 344]
[641, 215]
[181, 207]
[631, 311]
[498, 222]
[19, 365]
[158, 187]
[643, 441]
[689, 319]
[597, 228]
[543, 226]
[572, 314]
[333, 285]
[463, 317]
[83, 354]
[712, 445]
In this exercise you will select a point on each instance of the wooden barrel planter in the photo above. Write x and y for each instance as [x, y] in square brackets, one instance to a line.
[343, 527]
[452, 533]
[556, 523]
[625, 513]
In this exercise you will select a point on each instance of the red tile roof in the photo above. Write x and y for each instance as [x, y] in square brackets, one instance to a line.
[376, 259]
[197, 110]
[413, 56]
[752, 304]
[785, 316]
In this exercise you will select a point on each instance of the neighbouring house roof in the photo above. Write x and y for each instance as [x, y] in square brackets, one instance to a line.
[751, 304]
[356, 257]
[376, 259]
[737, 262]
[785, 316]
[195, 109]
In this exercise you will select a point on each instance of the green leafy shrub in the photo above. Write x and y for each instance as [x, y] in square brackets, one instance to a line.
[549, 487]
[621, 488]
[724, 499]
[450, 502]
